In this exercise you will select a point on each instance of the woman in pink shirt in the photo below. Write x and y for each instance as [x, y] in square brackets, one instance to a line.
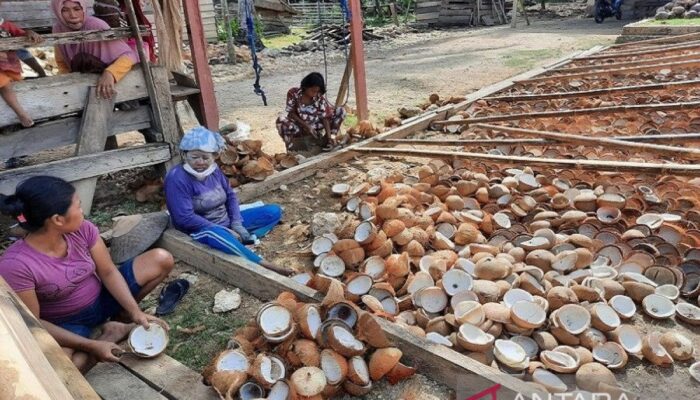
[63, 272]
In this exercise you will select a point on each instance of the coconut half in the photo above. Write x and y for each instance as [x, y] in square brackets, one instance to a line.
[382, 361]
[573, 318]
[694, 371]
[321, 245]
[623, 305]
[359, 284]
[610, 354]
[528, 344]
[334, 366]
[341, 339]
[471, 338]
[149, 342]
[629, 338]
[358, 371]
[677, 345]
[511, 354]
[431, 299]
[471, 312]
[267, 369]
[279, 391]
[654, 351]
[250, 391]
[344, 312]
[559, 361]
[658, 307]
[434, 337]
[455, 281]
[332, 266]
[374, 267]
[528, 315]
[688, 313]
[308, 381]
[274, 321]
[604, 317]
[671, 292]
[550, 381]
[513, 296]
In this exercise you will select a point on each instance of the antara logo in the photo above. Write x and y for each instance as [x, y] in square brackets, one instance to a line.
[492, 394]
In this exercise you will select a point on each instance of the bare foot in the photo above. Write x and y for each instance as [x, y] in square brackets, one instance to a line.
[115, 331]
[26, 121]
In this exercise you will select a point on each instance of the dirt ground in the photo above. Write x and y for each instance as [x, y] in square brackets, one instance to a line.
[405, 70]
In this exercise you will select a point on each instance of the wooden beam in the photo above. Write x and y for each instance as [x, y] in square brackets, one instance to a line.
[640, 52]
[114, 382]
[198, 47]
[645, 61]
[661, 40]
[594, 165]
[311, 166]
[358, 59]
[612, 71]
[594, 92]
[67, 94]
[54, 39]
[598, 141]
[88, 166]
[63, 132]
[69, 375]
[168, 123]
[462, 373]
[26, 373]
[97, 118]
[169, 377]
[579, 111]
[667, 138]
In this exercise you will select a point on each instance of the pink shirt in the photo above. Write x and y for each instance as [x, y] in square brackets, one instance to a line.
[63, 285]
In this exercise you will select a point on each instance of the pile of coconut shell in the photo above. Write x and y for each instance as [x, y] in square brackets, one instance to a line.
[244, 161]
[535, 272]
[295, 350]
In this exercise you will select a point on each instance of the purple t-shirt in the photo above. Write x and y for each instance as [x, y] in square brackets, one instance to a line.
[63, 285]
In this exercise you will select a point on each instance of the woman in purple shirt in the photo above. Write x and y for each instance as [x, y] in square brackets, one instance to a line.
[63, 272]
[202, 204]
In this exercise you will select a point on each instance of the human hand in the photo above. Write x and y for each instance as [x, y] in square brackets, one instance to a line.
[145, 320]
[105, 85]
[34, 37]
[306, 128]
[242, 232]
[105, 351]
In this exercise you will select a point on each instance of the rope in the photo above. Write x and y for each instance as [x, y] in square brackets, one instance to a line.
[250, 27]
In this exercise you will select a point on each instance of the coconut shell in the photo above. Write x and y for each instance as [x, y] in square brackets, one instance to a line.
[654, 351]
[382, 361]
[399, 373]
[559, 296]
[590, 375]
[256, 370]
[356, 390]
[369, 331]
[304, 353]
[308, 381]
[336, 344]
[677, 345]
[398, 264]
[226, 384]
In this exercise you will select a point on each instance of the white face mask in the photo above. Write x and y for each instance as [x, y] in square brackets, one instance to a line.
[200, 175]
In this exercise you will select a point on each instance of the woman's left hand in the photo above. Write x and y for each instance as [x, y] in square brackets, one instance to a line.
[105, 85]
[145, 320]
[34, 37]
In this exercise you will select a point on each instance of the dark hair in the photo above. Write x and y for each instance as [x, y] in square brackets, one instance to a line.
[314, 79]
[37, 199]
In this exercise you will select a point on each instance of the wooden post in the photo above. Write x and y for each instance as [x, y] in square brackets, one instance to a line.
[229, 33]
[358, 59]
[394, 15]
[198, 45]
[343, 89]
[92, 137]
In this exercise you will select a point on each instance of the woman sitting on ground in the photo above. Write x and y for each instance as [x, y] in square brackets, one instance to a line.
[112, 59]
[202, 204]
[309, 114]
[63, 272]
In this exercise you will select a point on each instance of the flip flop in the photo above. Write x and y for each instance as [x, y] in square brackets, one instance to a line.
[171, 295]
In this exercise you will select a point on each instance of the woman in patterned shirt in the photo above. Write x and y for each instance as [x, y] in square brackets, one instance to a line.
[310, 114]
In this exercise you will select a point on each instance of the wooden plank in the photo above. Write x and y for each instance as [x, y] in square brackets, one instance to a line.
[574, 112]
[648, 50]
[424, 4]
[32, 13]
[593, 165]
[64, 367]
[613, 71]
[446, 366]
[645, 61]
[682, 152]
[432, 15]
[169, 377]
[168, 123]
[593, 93]
[92, 136]
[67, 94]
[679, 138]
[24, 371]
[311, 166]
[52, 134]
[113, 382]
[76, 168]
[53, 39]
[662, 40]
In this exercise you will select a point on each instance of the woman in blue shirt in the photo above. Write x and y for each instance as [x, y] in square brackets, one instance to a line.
[202, 204]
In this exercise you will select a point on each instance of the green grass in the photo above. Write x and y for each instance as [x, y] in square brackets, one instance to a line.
[673, 22]
[102, 216]
[280, 42]
[350, 121]
[526, 59]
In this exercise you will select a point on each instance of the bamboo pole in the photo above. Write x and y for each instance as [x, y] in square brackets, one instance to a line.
[596, 141]
[612, 71]
[661, 40]
[566, 113]
[668, 138]
[648, 50]
[594, 92]
[646, 61]
[594, 165]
